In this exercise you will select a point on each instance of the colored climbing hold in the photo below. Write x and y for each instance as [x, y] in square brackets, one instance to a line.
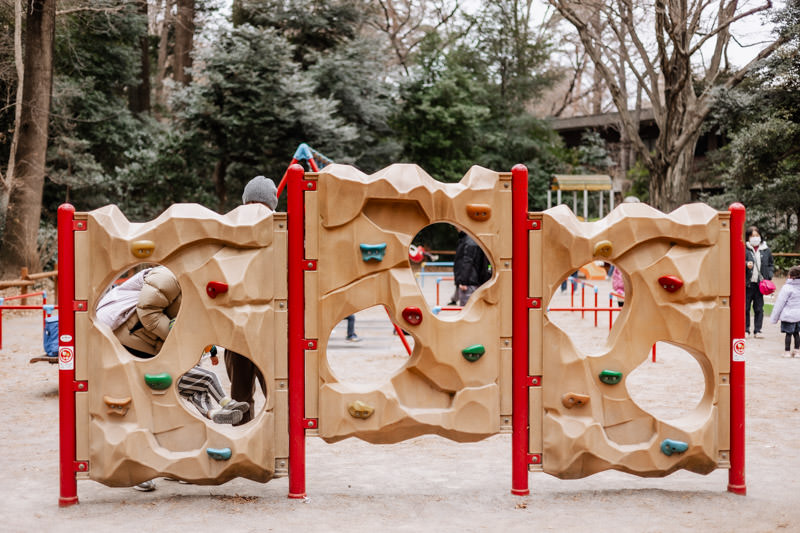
[603, 248]
[359, 409]
[216, 287]
[220, 454]
[160, 381]
[473, 353]
[372, 251]
[669, 446]
[412, 315]
[670, 283]
[573, 399]
[610, 377]
[142, 249]
[117, 406]
[479, 212]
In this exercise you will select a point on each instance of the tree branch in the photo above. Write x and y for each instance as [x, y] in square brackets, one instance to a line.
[726, 25]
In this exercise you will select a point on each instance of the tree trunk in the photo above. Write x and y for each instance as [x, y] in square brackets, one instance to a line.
[5, 183]
[184, 41]
[139, 96]
[669, 181]
[161, 66]
[19, 242]
[220, 171]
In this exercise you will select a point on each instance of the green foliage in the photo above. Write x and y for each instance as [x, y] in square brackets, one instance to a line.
[761, 165]
[640, 179]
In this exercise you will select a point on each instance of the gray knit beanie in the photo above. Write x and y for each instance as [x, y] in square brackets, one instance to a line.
[261, 189]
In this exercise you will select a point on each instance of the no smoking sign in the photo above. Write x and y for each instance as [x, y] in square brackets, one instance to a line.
[66, 358]
[738, 349]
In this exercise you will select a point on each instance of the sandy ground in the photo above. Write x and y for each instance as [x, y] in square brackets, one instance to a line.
[424, 484]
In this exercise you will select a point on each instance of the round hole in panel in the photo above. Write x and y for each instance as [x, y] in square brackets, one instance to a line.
[136, 304]
[438, 253]
[669, 388]
[200, 386]
[588, 303]
[366, 349]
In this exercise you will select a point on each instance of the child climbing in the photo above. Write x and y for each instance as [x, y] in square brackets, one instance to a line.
[141, 313]
[787, 310]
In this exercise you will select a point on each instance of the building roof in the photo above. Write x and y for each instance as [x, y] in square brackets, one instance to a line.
[580, 182]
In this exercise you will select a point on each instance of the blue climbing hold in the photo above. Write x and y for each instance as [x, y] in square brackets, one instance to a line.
[220, 454]
[669, 446]
[373, 251]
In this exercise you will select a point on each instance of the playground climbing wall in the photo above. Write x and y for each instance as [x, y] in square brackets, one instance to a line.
[131, 423]
[358, 230]
[582, 418]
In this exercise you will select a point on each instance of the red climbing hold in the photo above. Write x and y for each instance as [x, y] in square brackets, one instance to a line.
[216, 287]
[670, 283]
[412, 315]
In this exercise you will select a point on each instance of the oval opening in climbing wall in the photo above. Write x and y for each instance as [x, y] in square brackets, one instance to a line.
[669, 388]
[207, 390]
[366, 347]
[588, 303]
[141, 307]
[449, 266]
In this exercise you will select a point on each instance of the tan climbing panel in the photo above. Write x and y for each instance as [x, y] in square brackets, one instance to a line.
[606, 429]
[438, 391]
[134, 433]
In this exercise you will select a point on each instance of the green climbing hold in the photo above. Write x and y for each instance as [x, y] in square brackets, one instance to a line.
[669, 446]
[220, 454]
[160, 381]
[610, 377]
[473, 353]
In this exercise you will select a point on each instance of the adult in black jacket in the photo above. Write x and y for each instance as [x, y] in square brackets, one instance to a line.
[759, 265]
[470, 268]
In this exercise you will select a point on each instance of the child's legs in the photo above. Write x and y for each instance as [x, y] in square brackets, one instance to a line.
[796, 335]
[787, 342]
[748, 302]
[198, 379]
[202, 401]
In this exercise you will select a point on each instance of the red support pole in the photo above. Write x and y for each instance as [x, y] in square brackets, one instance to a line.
[68, 494]
[736, 482]
[282, 184]
[313, 165]
[595, 307]
[572, 292]
[295, 212]
[519, 328]
[654, 352]
[583, 298]
[399, 332]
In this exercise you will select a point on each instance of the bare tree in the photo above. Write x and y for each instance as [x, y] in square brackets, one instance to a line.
[184, 41]
[19, 241]
[406, 23]
[675, 53]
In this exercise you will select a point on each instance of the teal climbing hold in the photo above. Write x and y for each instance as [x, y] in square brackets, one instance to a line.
[669, 446]
[473, 353]
[373, 252]
[610, 377]
[220, 454]
[160, 381]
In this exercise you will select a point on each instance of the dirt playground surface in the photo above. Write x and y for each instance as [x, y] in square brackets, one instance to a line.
[423, 484]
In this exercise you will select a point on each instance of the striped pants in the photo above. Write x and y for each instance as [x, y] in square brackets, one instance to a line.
[199, 386]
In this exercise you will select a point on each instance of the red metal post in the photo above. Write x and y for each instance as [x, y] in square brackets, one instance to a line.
[519, 328]
[610, 314]
[313, 165]
[68, 494]
[736, 482]
[296, 314]
[583, 298]
[595, 307]
[654, 352]
[282, 184]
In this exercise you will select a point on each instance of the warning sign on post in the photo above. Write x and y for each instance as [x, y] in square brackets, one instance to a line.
[66, 358]
[738, 349]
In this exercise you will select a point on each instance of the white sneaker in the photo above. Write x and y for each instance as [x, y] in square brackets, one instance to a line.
[146, 486]
[788, 354]
[795, 353]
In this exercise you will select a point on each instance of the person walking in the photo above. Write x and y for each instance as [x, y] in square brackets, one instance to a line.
[758, 259]
[787, 310]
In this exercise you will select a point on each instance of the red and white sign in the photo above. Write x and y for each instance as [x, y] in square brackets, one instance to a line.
[66, 358]
[737, 346]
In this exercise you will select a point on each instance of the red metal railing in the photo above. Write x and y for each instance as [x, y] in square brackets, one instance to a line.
[47, 310]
